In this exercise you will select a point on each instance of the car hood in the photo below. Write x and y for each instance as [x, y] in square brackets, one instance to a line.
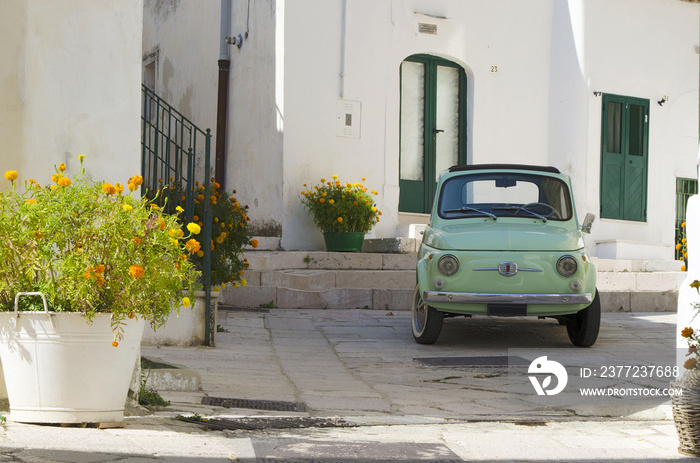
[499, 236]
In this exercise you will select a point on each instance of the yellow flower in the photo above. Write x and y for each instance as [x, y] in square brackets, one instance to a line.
[161, 223]
[243, 282]
[254, 243]
[682, 268]
[687, 332]
[31, 201]
[334, 177]
[194, 228]
[683, 225]
[136, 271]
[323, 200]
[684, 240]
[38, 235]
[219, 239]
[695, 284]
[179, 209]
[137, 240]
[200, 254]
[63, 181]
[330, 201]
[678, 246]
[155, 207]
[175, 233]
[81, 156]
[126, 207]
[62, 167]
[173, 241]
[186, 302]
[340, 220]
[11, 175]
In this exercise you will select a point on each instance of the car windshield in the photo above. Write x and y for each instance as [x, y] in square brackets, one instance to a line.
[493, 195]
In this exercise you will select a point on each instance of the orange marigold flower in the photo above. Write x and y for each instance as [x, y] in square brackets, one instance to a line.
[687, 332]
[62, 167]
[136, 271]
[161, 223]
[109, 189]
[115, 343]
[340, 219]
[690, 363]
[137, 240]
[192, 245]
[254, 243]
[63, 181]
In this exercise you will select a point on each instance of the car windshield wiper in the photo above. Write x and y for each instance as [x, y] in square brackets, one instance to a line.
[519, 208]
[471, 209]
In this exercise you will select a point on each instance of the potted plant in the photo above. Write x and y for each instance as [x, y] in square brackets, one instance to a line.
[100, 263]
[229, 235]
[343, 212]
[686, 401]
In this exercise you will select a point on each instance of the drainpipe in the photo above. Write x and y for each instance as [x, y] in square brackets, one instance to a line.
[222, 98]
[342, 50]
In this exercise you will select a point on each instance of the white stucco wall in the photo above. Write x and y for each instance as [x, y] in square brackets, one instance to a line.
[507, 111]
[539, 108]
[70, 84]
[645, 52]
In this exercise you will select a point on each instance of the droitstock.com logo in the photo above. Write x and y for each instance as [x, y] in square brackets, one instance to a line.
[547, 369]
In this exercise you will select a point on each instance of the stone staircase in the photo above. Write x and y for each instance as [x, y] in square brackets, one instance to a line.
[385, 281]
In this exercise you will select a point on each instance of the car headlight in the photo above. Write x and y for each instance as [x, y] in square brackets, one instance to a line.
[448, 265]
[567, 266]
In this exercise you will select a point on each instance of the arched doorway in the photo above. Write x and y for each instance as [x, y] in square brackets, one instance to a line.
[433, 127]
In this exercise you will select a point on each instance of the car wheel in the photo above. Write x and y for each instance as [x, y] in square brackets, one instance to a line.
[425, 320]
[584, 325]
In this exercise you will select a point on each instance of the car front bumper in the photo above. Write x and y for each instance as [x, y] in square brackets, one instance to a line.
[490, 298]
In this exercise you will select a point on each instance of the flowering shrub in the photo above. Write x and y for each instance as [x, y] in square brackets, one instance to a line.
[693, 362]
[682, 248]
[338, 207]
[93, 247]
[229, 233]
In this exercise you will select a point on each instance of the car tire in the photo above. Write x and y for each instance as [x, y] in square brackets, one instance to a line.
[584, 325]
[426, 321]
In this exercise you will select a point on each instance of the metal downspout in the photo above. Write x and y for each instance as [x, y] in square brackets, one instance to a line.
[222, 97]
[342, 50]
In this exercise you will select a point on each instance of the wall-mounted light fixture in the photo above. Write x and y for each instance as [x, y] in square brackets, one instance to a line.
[663, 100]
[237, 40]
[597, 93]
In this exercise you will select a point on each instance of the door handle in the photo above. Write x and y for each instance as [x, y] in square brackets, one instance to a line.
[437, 130]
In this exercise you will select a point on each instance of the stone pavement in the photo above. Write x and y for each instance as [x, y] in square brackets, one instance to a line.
[360, 373]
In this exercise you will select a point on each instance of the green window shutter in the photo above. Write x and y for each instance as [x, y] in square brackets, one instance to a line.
[624, 154]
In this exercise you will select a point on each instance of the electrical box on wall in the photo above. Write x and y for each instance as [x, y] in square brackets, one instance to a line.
[348, 115]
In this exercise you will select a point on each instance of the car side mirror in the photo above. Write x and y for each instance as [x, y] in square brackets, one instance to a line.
[587, 223]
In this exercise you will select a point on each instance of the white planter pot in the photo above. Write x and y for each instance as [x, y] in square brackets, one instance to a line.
[60, 369]
[187, 329]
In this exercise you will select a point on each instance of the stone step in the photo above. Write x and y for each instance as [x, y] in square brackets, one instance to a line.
[314, 279]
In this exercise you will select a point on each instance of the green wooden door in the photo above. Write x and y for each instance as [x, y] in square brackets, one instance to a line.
[624, 155]
[433, 127]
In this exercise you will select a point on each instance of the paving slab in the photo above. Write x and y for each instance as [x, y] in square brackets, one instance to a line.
[359, 366]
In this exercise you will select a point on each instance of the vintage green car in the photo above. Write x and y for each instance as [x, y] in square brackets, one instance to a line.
[504, 240]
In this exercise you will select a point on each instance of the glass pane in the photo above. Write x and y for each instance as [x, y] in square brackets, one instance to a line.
[614, 128]
[636, 130]
[412, 120]
[505, 195]
[447, 119]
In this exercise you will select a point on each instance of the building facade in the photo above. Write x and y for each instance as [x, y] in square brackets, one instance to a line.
[395, 91]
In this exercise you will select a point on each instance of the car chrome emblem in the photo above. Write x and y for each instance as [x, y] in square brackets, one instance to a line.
[507, 269]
